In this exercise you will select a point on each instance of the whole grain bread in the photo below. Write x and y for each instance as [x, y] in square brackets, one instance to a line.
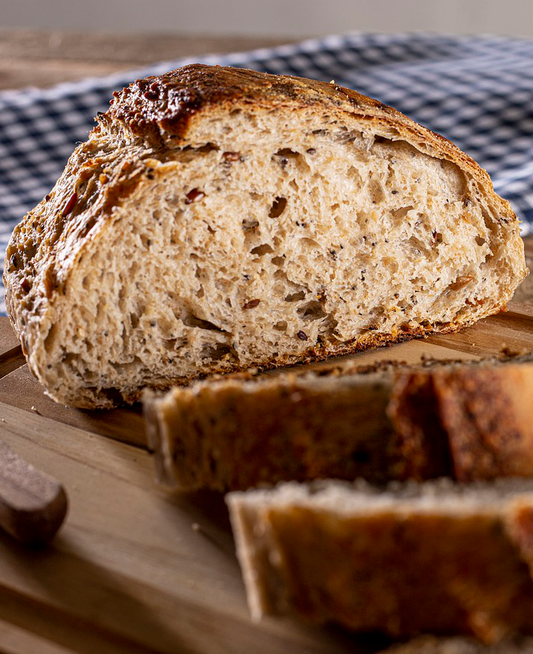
[218, 218]
[467, 420]
[433, 557]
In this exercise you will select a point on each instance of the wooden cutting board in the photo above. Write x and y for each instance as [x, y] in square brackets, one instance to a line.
[135, 569]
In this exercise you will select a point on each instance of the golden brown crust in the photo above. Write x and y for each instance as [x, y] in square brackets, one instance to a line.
[436, 560]
[489, 433]
[315, 354]
[151, 120]
[162, 109]
[469, 421]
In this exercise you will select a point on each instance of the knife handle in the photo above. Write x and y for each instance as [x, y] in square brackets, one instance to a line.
[33, 505]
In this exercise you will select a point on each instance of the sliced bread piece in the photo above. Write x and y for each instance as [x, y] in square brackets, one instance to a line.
[433, 557]
[468, 420]
[217, 219]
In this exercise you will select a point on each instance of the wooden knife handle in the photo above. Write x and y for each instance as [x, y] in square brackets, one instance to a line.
[32, 504]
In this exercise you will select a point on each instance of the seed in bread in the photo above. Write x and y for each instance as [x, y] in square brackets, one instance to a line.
[218, 218]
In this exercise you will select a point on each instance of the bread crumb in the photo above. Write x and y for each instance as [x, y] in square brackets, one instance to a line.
[196, 527]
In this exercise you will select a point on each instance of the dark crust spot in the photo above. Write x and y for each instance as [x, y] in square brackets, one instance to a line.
[158, 110]
[165, 104]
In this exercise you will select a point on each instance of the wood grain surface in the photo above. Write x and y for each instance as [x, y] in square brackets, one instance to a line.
[39, 58]
[134, 569]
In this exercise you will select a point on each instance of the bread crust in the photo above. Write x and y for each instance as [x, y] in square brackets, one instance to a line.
[163, 109]
[150, 121]
[466, 420]
[444, 559]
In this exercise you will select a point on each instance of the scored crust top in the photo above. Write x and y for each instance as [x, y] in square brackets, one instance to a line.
[161, 110]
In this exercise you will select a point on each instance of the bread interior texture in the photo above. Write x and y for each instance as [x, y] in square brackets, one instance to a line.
[272, 233]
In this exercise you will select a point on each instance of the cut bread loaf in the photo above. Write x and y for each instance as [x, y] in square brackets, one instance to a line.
[433, 557]
[468, 420]
[218, 219]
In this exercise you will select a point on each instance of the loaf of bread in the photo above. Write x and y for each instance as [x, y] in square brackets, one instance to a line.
[218, 218]
[433, 557]
[468, 420]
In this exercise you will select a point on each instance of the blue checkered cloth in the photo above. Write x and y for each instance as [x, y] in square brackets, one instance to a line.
[477, 91]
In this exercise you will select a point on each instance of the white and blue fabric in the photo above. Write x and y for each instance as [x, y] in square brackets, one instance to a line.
[477, 91]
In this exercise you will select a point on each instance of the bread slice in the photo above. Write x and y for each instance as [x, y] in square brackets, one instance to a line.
[434, 557]
[217, 219]
[468, 420]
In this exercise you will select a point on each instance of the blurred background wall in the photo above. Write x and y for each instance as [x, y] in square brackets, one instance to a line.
[291, 18]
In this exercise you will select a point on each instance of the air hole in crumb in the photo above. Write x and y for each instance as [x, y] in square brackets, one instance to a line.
[134, 318]
[278, 261]
[261, 250]
[193, 321]
[287, 153]
[295, 297]
[174, 344]
[377, 192]
[278, 207]
[308, 243]
[50, 338]
[480, 240]
[251, 304]
[215, 352]
[311, 311]
[284, 155]
[208, 147]
[281, 326]
[402, 212]
[113, 394]
[248, 224]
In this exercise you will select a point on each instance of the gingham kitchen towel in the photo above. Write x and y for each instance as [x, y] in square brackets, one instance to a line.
[477, 91]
